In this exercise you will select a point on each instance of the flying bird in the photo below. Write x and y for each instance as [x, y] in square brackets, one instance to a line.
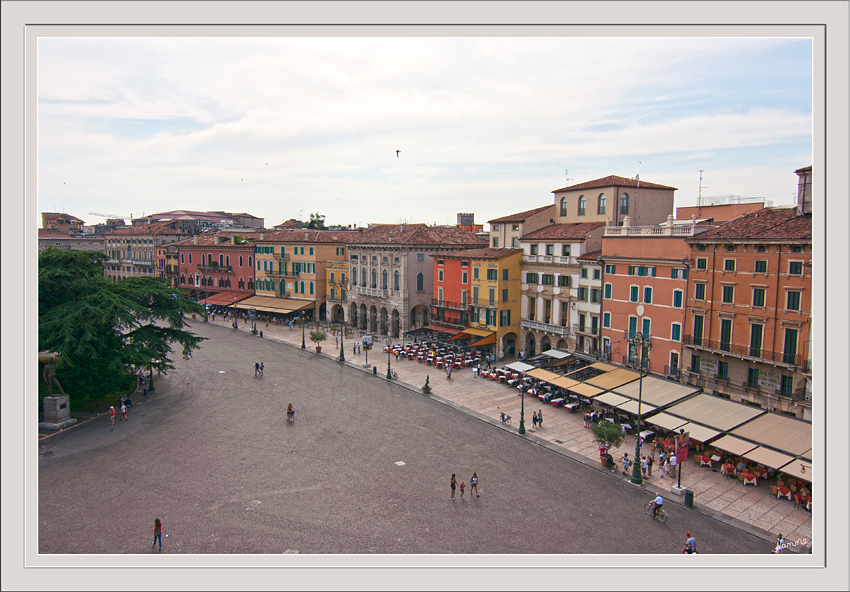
[64, 183]
[396, 153]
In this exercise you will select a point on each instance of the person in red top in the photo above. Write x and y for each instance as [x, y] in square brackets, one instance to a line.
[157, 533]
[112, 415]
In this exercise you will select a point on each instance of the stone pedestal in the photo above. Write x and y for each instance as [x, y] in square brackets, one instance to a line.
[57, 413]
[678, 490]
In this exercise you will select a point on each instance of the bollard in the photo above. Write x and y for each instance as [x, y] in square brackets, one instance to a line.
[375, 370]
[145, 392]
[261, 333]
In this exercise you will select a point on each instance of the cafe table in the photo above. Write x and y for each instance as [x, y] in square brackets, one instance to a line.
[571, 406]
[727, 470]
[750, 479]
[704, 461]
[783, 491]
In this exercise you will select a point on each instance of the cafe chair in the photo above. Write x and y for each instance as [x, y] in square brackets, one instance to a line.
[774, 490]
[741, 478]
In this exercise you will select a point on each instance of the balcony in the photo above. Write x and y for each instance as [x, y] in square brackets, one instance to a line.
[142, 262]
[215, 267]
[545, 327]
[556, 259]
[377, 292]
[746, 352]
[585, 329]
[446, 304]
[672, 372]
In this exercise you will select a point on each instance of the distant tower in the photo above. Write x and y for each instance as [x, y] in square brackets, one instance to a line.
[465, 219]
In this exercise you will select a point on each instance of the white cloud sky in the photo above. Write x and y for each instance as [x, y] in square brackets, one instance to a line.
[484, 125]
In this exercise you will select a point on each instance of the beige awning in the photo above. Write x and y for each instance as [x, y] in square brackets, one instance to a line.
[631, 406]
[799, 469]
[565, 383]
[603, 367]
[787, 434]
[612, 380]
[543, 375]
[586, 390]
[656, 391]
[733, 445]
[611, 399]
[769, 458]
[271, 304]
[699, 433]
[667, 422]
[477, 332]
[716, 412]
[807, 455]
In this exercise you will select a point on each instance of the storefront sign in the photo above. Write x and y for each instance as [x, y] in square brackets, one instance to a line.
[769, 379]
[707, 366]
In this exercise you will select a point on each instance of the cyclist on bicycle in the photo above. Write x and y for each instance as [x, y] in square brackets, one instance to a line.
[290, 412]
[656, 505]
[504, 417]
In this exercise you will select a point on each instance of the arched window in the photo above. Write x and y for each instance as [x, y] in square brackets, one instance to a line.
[582, 205]
[182, 258]
[363, 276]
[302, 286]
[182, 279]
[250, 283]
[353, 276]
[250, 262]
[563, 206]
[311, 287]
[624, 203]
[395, 280]
[241, 283]
[600, 204]
[374, 278]
[420, 282]
[240, 260]
[384, 280]
[220, 259]
[227, 260]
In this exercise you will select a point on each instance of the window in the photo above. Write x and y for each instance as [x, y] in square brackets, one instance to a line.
[505, 274]
[563, 206]
[725, 335]
[610, 269]
[440, 295]
[793, 301]
[756, 332]
[495, 227]
[584, 272]
[491, 297]
[699, 323]
[505, 295]
[582, 205]
[647, 295]
[730, 248]
[384, 278]
[464, 298]
[564, 281]
[624, 203]
[676, 332]
[795, 267]
[790, 351]
[190, 258]
[492, 275]
[582, 294]
[761, 267]
[475, 272]
[504, 318]
[353, 276]
[608, 290]
[695, 364]
[530, 278]
[678, 296]
[439, 275]
[596, 295]
[311, 283]
[333, 278]
[728, 294]
[632, 327]
[600, 204]
[606, 320]
[182, 260]
[548, 279]
[462, 263]
[420, 282]
[474, 294]
[363, 278]
[533, 249]
[758, 296]
[723, 370]
[597, 274]
[646, 327]
[679, 273]
[420, 258]
[514, 242]
[440, 262]
[787, 385]
[728, 265]
[464, 277]
[699, 291]
[565, 251]
[374, 283]
[796, 249]
[395, 280]
[515, 227]
[495, 242]
[752, 377]
[633, 295]
[702, 263]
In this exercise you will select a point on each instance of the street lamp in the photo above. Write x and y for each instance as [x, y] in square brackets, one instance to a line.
[341, 346]
[521, 413]
[643, 342]
[303, 345]
[389, 354]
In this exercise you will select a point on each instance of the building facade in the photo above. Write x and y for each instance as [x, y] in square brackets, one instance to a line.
[588, 311]
[336, 273]
[391, 279]
[611, 199]
[132, 250]
[505, 232]
[68, 242]
[210, 263]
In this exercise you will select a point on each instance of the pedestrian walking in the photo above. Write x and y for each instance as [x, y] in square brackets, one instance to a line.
[674, 465]
[123, 411]
[626, 462]
[666, 467]
[337, 341]
[256, 369]
[448, 371]
[354, 349]
[473, 486]
[479, 369]
[534, 419]
[454, 486]
[157, 533]
[540, 417]
[262, 367]
[780, 545]
[112, 415]
[462, 488]
[488, 362]
[643, 465]
[649, 462]
[690, 545]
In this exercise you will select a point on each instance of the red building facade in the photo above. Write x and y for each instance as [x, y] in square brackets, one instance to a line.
[212, 263]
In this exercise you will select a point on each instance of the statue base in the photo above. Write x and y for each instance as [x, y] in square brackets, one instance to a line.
[57, 413]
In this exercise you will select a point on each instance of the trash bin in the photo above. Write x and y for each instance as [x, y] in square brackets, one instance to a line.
[689, 498]
[261, 333]
[375, 370]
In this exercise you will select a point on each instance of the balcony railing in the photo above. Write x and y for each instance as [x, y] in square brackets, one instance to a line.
[746, 352]
[364, 291]
[557, 259]
[546, 327]
[671, 372]
[215, 267]
[447, 304]
[584, 329]
[142, 262]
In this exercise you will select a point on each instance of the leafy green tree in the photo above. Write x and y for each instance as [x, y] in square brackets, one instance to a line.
[104, 330]
[607, 434]
[317, 222]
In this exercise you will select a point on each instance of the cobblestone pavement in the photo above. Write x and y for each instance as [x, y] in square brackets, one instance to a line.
[363, 469]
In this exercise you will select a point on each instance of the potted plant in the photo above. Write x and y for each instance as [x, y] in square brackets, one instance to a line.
[608, 436]
[427, 387]
[317, 337]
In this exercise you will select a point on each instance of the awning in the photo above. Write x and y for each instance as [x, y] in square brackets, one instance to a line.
[613, 379]
[478, 332]
[656, 391]
[226, 298]
[603, 367]
[543, 375]
[807, 455]
[733, 445]
[565, 383]
[699, 433]
[769, 458]
[585, 390]
[556, 353]
[716, 412]
[631, 406]
[667, 422]
[520, 367]
[611, 399]
[799, 469]
[449, 330]
[276, 305]
[489, 340]
[568, 360]
[787, 434]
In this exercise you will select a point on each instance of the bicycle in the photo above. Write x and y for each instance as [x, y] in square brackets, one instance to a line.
[505, 419]
[660, 515]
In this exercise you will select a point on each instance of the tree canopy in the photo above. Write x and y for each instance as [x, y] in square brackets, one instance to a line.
[317, 222]
[102, 329]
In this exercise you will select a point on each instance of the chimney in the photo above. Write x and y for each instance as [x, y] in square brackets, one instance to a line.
[233, 239]
[216, 240]
[261, 236]
[195, 239]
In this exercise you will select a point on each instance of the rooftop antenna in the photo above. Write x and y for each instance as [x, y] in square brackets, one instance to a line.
[567, 173]
[699, 195]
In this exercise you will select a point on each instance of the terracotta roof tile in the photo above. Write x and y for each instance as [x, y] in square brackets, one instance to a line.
[522, 216]
[561, 231]
[416, 234]
[767, 224]
[592, 255]
[304, 235]
[485, 253]
[614, 181]
[807, 169]
[152, 228]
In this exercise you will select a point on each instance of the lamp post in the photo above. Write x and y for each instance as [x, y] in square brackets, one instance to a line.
[521, 429]
[643, 342]
[341, 346]
[389, 355]
[303, 345]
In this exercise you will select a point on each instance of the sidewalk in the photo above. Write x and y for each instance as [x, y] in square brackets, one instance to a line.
[714, 494]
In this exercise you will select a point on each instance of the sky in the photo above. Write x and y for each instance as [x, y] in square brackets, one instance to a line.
[286, 126]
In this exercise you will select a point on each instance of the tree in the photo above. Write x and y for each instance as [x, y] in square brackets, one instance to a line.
[607, 435]
[104, 330]
[317, 222]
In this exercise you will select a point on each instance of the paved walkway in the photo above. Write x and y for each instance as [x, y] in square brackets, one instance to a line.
[712, 490]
